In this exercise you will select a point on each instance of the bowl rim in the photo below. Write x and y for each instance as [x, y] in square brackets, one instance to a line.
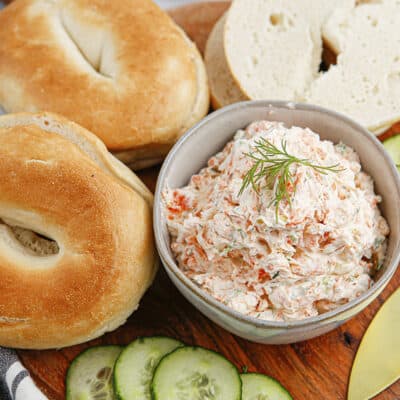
[169, 262]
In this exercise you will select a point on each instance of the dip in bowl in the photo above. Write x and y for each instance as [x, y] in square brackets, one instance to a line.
[277, 292]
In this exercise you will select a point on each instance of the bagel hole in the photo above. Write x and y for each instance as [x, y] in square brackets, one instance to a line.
[35, 243]
[95, 60]
[328, 58]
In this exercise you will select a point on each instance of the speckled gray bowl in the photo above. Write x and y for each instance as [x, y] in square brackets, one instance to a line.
[192, 151]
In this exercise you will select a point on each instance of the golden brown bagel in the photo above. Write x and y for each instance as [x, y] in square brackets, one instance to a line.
[58, 181]
[122, 69]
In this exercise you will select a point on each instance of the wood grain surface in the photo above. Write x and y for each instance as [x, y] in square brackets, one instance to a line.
[315, 369]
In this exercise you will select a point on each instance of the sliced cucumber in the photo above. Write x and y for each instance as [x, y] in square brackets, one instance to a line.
[262, 387]
[194, 373]
[392, 146]
[90, 374]
[136, 364]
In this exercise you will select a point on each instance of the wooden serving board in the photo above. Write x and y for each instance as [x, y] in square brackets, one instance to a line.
[316, 369]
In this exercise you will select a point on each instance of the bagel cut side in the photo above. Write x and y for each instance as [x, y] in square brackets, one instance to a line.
[365, 82]
[273, 47]
[76, 240]
[122, 69]
[273, 50]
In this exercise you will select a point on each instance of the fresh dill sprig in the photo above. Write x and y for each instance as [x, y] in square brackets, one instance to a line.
[272, 166]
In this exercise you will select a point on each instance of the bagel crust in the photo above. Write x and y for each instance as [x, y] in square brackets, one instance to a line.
[122, 69]
[101, 224]
[224, 90]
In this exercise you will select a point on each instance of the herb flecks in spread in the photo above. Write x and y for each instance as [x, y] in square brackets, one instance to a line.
[321, 252]
[271, 165]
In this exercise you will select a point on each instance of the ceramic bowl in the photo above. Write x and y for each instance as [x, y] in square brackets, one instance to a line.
[208, 137]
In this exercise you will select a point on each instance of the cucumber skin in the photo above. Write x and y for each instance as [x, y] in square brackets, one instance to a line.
[154, 395]
[76, 359]
[263, 376]
[140, 338]
[392, 146]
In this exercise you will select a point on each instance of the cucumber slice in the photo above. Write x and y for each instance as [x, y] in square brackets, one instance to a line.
[197, 374]
[90, 374]
[392, 146]
[262, 387]
[135, 366]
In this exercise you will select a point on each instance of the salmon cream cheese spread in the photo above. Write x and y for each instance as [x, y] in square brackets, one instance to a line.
[281, 249]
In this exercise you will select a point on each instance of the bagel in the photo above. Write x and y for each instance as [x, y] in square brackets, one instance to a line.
[122, 69]
[273, 51]
[76, 241]
[224, 90]
[365, 83]
[273, 48]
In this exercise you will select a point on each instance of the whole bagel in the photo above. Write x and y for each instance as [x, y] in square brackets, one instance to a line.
[76, 241]
[122, 69]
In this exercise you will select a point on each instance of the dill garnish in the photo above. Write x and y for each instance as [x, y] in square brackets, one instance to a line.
[272, 165]
[276, 274]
